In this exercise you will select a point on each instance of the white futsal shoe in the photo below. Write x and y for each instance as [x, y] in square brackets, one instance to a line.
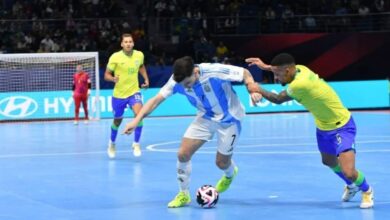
[137, 150]
[111, 150]
[367, 199]
[349, 193]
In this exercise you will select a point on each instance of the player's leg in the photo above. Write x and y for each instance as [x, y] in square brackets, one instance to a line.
[118, 107]
[184, 167]
[337, 151]
[227, 140]
[84, 101]
[347, 163]
[346, 152]
[196, 135]
[136, 105]
[332, 162]
[327, 142]
[77, 101]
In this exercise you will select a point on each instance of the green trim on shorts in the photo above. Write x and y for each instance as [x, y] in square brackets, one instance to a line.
[359, 180]
[141, 123]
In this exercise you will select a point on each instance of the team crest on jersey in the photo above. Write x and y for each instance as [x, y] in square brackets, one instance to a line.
[206, 88]
[137, 62]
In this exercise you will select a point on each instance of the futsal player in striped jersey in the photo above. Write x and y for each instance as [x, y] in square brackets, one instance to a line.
[336, 128]
[81, 86]
[208, 88]
[123, 68]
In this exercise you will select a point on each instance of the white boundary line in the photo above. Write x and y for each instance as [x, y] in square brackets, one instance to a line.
[211, 150]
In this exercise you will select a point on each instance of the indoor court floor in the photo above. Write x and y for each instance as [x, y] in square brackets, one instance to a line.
[56, 170]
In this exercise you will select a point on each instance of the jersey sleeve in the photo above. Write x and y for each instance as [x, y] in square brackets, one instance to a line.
[142, 58]
[168, 89]
[111, 65]
[296, 90]
[229, 72]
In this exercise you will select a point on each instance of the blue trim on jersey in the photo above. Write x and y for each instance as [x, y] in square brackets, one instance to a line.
[238, 125]
[216, 85]
[198, 89]
[180, 89]
[177, 89]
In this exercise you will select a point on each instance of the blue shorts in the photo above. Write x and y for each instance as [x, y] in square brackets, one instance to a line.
[339, 140]
[119, 105]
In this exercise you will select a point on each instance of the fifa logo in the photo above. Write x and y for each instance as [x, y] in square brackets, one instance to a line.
[18, 107]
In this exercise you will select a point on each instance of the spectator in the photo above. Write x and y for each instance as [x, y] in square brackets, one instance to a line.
[222, 51]
[47, 43]
[310, 22]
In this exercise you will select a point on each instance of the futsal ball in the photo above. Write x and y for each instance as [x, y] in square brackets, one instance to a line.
[207, 196]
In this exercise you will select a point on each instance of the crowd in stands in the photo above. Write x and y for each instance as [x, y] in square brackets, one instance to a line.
[191, 25]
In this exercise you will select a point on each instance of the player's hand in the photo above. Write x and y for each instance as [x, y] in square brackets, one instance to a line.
[145, 84]
[258, 62]
[256, 97]
[129, 128]
[115, 79]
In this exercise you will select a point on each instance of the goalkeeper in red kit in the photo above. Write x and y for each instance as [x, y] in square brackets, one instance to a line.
[81, 86]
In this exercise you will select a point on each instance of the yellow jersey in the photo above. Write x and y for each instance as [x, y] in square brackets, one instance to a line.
[318, 98]
[126, 68]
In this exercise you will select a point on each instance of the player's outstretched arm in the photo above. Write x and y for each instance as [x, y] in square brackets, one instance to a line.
[145, 110]
[252, 86]
[259, 63]
[275, 98]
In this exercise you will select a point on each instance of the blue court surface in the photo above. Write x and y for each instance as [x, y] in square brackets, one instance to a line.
[56, 170]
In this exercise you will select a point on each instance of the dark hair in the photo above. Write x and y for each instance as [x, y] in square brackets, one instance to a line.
[283, 59]
[182, 68]
[126, 35]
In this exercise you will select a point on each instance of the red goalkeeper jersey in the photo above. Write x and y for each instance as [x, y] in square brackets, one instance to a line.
[80, 81]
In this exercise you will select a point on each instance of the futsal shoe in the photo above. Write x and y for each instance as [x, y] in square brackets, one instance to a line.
[111, 150]
[349, 193]
[137, 150]
[181, 199]
[367, 199]
[224, 183]
[86, 121]
[75, 122]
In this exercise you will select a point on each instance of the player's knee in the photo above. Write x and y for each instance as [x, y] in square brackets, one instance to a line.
[183, 157]
[329, 163]
[326, 163]
[117, 122]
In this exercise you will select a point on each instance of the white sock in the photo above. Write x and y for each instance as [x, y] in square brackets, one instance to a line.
[230, 170]
[183, 175]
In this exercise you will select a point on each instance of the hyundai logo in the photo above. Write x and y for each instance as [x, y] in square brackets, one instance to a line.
[18, 106]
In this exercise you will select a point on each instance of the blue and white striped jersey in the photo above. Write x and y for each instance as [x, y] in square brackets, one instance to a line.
[212, 94]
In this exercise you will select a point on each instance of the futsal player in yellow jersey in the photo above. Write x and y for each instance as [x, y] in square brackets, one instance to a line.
[336, 129]
[122, 69]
